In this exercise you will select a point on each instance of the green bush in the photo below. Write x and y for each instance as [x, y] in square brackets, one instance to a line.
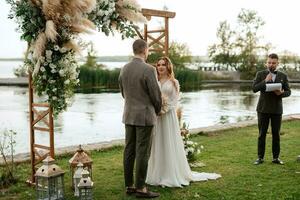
[98, 77]
[188, 79]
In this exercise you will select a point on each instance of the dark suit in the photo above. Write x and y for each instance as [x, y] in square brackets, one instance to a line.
[140, 89]
[269, 107]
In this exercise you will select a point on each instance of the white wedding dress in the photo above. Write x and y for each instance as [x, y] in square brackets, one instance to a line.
[168, 165]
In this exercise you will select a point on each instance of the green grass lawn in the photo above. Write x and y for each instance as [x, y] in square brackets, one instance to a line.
[230, 153]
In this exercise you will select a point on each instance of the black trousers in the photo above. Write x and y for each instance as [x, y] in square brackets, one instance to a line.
[263, 124]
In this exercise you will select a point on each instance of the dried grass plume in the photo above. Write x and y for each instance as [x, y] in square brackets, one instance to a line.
[50, 31]
[130, 10]
[39, 45]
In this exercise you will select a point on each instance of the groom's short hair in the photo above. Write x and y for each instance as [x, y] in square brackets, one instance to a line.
[139, 46]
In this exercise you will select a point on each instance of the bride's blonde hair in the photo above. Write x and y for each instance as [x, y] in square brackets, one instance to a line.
[170, 70]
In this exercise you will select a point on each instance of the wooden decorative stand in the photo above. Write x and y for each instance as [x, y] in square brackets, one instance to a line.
[39, 113]
[158, 43]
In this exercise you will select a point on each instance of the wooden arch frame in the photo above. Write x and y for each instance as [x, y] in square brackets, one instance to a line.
[46, 116]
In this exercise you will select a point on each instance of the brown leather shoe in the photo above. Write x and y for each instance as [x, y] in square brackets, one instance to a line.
[130, 190]
[147, 195]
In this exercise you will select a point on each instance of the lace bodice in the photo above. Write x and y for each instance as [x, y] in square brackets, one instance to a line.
[170, 93]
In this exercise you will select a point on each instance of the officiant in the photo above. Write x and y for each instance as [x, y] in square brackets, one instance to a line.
[273, 86]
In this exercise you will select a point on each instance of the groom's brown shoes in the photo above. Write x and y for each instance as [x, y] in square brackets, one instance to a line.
[130, 190]
[146, 195]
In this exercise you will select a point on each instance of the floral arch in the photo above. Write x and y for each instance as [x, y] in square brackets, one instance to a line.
[51, 29]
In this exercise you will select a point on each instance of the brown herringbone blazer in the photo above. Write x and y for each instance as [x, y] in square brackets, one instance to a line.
[139, 87]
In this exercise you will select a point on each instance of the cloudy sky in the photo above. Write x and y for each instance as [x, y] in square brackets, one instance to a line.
[195, 24]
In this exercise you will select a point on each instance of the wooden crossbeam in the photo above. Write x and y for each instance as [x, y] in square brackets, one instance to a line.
[40, 116]
[157, 49]
[41, 146]
[156, 40]
[37, 153]
[41, 129]
[158, 13]
[156, 31]
[40, 105]
[37, 161]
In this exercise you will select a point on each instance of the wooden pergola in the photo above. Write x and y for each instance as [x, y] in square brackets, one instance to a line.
[158, 43]
[41, 116]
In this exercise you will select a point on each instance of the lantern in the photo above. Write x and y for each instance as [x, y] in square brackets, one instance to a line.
[76, 178]
[80, 156]
[85, 187]
[49, 179]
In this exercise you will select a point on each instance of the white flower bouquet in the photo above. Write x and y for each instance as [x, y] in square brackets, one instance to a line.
[192, 149]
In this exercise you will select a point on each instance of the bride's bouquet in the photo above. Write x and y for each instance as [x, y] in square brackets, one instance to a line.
[165, 106]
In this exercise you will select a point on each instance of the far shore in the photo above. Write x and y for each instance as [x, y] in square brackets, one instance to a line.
[23, 81]
[25, 157]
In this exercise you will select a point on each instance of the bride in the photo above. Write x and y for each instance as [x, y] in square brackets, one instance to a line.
[168, 165]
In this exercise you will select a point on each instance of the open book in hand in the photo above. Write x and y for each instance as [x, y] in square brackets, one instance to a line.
[273, 86]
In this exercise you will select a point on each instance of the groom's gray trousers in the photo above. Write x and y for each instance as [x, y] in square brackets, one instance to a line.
[137, 148]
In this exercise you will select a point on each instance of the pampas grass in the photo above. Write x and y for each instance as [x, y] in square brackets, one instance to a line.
[36, 68]
[39, 45]
[79, 28]
[130, 10]
[50, 31]
[88, 23]
[52, 10]
[76, 8]
[71, 45]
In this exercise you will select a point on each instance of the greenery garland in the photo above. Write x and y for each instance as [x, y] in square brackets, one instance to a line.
[51, 30]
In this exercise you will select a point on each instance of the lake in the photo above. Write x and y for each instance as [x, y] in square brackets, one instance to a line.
[96, 117]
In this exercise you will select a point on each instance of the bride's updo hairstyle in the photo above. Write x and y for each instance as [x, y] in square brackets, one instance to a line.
[170, 70]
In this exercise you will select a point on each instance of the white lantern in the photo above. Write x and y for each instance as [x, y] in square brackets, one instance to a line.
[85, 186]
[49, 179]
[76, 178]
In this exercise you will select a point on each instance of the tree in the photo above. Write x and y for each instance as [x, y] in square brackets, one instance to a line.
[247, 42]
[241, 48]
[222, 53]
[287, 59]
[179, 54]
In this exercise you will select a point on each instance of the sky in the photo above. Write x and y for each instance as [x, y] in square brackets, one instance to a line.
[195, 24]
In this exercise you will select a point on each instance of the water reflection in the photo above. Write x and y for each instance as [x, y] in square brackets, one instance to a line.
[95, 117]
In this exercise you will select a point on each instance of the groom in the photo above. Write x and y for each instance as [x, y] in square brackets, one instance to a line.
[139, 87]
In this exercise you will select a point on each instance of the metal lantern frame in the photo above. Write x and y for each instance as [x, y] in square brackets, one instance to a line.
[49, 180]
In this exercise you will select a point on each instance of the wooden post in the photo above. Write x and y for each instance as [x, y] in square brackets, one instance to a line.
[36, 116]
[32, 140]
[51, 131]
[145, 32]
[166, 36]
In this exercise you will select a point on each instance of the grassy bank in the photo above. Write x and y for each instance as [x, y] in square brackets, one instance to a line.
[230, 153]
